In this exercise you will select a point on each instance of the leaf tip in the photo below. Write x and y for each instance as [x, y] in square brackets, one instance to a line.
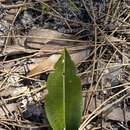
[65, 50]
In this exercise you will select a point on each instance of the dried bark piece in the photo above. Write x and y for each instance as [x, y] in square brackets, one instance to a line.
[48, 64]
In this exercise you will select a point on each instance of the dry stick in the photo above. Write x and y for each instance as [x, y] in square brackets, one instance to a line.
[92, 19]
[4, 106]
[25, 94]
[99, 58]
[108, 12]
[96, 128]
[122, 126]
[106, 108]
[120, 24]
[21, 126]
[110, 105]
[112, 45]
[16, 118]
[108, 88]
[87, 71]
[21, 121]
[93, 66]
[112, 34]
[120, 21]
[87, 91]
[14, 121]
[94, 70]
[120, 65]
[96, 48]
[80, 32]
[127, 23]
[99, 80]
[123, 22]
[21, 58]
[98, 108]
[104, 69]
[108, 15]
[5, 125]
[46, 38]
[15, 6]
[11, 27]
[116, 10]
[84, 123]
[94, 61]
[59, 39]
[3, 109]
[95, 88]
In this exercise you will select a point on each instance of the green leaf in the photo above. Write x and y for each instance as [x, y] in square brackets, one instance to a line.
[63, 103]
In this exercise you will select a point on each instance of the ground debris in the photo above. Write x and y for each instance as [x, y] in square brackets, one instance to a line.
[33, 33]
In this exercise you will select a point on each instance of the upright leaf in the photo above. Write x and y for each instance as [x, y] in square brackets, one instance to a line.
[63, 103]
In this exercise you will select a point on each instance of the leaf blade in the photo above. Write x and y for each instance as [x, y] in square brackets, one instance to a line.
[64, 99]
[73, 95]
